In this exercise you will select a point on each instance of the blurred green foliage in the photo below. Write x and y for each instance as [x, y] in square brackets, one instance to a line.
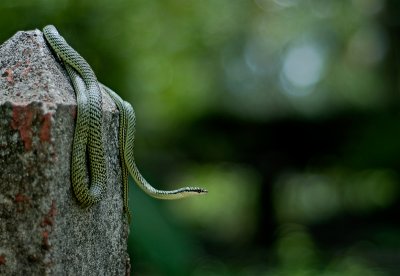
[286, 110]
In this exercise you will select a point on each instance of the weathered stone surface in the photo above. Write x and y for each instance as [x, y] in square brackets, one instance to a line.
[43, 229]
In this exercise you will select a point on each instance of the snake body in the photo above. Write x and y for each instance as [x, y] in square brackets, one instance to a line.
[88, 133]
[88, 130]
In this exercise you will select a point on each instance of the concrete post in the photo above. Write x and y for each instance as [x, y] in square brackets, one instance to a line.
[43, 229]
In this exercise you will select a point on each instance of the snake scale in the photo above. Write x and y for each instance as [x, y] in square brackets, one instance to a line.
[89, 187]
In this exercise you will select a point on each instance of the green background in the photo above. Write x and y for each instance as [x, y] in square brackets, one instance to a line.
[286, 111]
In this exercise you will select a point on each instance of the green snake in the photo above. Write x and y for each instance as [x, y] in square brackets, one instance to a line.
[88, 133]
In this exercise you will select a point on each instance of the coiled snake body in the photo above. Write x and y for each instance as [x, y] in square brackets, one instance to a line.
[88, 133]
